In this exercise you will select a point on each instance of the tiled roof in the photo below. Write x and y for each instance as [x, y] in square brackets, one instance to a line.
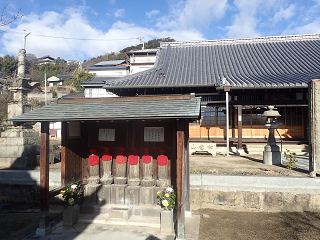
[107, 67]
[109, 63]
[116, 109]
[98, 80]
[74, 95]
[264, 62]
[153, 50]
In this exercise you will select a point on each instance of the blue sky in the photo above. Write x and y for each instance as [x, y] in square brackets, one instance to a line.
[59, 28]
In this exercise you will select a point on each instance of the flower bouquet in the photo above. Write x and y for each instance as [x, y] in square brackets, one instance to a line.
[71, 194]
[167, 198]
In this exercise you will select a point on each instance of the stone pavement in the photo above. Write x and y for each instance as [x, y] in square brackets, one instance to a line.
[99, 231]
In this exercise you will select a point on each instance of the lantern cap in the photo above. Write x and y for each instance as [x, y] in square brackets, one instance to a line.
[133, 148]
[271, 113]
[121, 148]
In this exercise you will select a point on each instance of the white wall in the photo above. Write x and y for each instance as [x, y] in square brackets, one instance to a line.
[97, 92]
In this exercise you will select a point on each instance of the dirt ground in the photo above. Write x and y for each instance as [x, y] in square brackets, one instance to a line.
[227, 225]
[19, 220]
[240, 165]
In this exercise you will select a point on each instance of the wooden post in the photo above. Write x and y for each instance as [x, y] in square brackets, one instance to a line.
[63, 152]
[44, 177]
[239, 126]
[233, 121]
[180, 200]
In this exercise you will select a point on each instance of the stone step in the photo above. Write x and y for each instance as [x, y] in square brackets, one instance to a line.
[115, 214]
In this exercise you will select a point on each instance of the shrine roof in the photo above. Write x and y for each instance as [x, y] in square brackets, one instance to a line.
[263, 62]
[118, 108]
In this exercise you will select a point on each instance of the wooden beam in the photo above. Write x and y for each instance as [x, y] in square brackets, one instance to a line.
[180, 169]
[63, 152]
[44, 177]
[239, 126]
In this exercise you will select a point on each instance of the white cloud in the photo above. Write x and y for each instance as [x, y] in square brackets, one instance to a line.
[192, 14]
[71, 23]
[152, 13]
[119, 13]
[284, 14]
[246, 22]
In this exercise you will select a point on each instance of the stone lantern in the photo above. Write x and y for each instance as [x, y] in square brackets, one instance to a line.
[271, 153]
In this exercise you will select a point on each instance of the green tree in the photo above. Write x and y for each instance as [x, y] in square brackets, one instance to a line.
[80, 77]
[9, 65]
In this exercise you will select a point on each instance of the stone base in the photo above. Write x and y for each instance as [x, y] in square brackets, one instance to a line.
[162, 183]
[272, 155]
[122, 212]
[147, 196]
[104, 194]
[133, 181]
[70, 215]
[166, 221]
[106, 181]
[42, 232]
[117, 194]
[240, 151]
[120, 180]
[132, 195]
[93, 180]
[90, 193]
[147, 182]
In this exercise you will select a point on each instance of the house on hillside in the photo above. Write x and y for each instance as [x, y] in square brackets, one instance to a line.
[248, 74]
[45, 60]
[103, 72]
[117, 68]
[141, 60]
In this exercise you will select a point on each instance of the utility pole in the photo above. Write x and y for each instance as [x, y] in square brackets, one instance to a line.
[24, 38]
[142, 40]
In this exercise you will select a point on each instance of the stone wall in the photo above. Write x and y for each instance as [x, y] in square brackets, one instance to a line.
[255, 193]
[24, 185]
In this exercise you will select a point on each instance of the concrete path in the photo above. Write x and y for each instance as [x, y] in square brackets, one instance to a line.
[81, 231]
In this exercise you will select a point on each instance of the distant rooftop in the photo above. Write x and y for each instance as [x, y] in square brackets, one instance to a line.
[109, 63]
[153, 50]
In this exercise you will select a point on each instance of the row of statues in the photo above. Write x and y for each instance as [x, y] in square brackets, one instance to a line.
[123, 170]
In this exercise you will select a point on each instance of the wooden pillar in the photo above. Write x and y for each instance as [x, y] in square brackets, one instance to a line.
[44, 179]
[233, 121]
[187, 167]
[239, 126]
[63, 152]
[180, 182]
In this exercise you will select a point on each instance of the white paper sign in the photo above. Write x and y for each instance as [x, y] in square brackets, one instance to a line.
[154, 134]
[107, 134]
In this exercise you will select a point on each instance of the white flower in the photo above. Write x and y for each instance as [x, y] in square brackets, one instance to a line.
[74, 186]
[169, 189]
[165, 203]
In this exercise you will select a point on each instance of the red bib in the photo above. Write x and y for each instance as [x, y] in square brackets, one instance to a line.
[121, 159]
[93, 160]
[133, 159]
[146, 158]
[162, 160]
[106, 157]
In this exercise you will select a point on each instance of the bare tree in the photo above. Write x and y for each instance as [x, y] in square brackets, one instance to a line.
[8, 16]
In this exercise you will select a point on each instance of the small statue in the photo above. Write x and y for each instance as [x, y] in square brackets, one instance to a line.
[120, 176]
[134, 173]
[162, 160]
[147, 167]
[94, 167]
[106, 158]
